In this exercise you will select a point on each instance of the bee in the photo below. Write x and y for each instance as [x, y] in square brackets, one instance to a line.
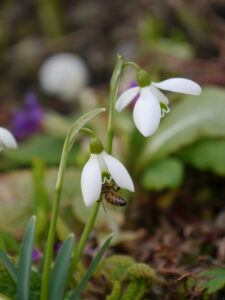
[109, 193]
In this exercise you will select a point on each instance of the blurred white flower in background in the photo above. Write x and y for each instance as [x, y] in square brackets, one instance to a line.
[7, 140]
[63, 75]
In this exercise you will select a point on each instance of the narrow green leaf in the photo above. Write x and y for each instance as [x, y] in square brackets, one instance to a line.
[25, 260]
[60, 270]
[8, 265]
[91, 269]
[80, 123]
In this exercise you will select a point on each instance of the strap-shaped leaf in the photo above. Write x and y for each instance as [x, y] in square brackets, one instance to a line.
[60, 270]
[8, 265]
[25, 261]
[91, 269]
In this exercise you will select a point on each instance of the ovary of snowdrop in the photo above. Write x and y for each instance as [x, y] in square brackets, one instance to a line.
[152, 104]
[63, 75]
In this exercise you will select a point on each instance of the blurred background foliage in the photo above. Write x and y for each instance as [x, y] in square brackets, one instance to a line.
[177, 214]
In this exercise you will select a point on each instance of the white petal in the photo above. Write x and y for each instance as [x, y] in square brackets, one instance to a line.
[7, 140]
[118, 172]
[160, 96]
[179, 85]
[147, 113]
[126, 97]
[91, 180]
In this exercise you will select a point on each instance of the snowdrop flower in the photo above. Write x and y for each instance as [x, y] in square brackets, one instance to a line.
[63, 75]
[152, 104]
[100, 168]
[6, 139]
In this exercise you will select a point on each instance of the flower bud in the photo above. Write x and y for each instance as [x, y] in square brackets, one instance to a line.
[96, 146]
[143, 78]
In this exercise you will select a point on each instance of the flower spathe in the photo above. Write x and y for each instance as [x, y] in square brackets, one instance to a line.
[91, 177]
[7, 140]
[152, 104]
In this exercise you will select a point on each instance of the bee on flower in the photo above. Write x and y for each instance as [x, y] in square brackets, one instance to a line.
[152, 104]
[102, 168]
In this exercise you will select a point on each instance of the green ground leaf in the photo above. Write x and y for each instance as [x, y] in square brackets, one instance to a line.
[60, 270]
[91, 269]
[207, 154]
[44, 146]
[191, 119]
[217, 281]
[167, 173]
[25, 261]
[8, 265]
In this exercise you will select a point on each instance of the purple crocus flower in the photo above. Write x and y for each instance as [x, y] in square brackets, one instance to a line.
[58, 247]
[28, 120]
[36, 255]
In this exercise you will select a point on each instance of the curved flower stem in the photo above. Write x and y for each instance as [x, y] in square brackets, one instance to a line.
[88, 131]
[85, 235]
[130, 63]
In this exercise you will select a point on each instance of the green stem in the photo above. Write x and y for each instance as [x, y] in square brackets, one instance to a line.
[83, 239]
[129, 63]
[52, 229]
[114, 83]
[88, 131]
[113, 94]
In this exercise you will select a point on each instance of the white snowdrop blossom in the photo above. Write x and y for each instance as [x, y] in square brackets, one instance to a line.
[152, 105]
[102, 167]
[7, 140]
[63, 75]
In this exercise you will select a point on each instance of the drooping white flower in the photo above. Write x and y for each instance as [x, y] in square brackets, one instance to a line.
[63, 75]
[152, 105]
[101, 167]
[7, 140]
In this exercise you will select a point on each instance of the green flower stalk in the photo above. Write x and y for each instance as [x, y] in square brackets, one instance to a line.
[113, 95]
[69, 141]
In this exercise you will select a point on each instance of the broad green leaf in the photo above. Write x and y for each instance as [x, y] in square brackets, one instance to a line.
[207, 154]
[44, 146]
[60, 270]
[193, 118]
[167, 173]
[8, 265]
[90, 270]
[215, 283]
[25, 261]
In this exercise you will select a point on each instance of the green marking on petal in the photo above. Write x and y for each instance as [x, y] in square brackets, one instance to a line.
[164, 108]
[106, 177]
